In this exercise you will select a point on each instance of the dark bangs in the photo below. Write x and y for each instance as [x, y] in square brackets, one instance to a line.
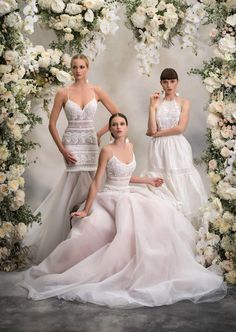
[169, 74]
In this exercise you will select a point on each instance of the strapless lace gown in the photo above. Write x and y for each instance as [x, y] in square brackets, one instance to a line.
[170, 157]
[71, 191]
[134, 249]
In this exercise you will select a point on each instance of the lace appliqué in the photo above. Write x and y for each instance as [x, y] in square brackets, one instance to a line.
[168, 114]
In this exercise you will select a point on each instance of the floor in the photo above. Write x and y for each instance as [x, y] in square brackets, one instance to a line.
[21, 314]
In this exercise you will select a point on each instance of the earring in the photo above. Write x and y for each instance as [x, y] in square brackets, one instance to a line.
[126, 140]
[111, 140]
[177, 94]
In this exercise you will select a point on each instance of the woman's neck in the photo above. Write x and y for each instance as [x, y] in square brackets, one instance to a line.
[80, 83]
[170, 97]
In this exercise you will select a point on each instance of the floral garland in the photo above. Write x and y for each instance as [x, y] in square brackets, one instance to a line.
[217, 236]
[80, 25]
[15, 122]
[155, 24]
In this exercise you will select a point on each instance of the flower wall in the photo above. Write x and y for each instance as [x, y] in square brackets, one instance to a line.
[29, 72]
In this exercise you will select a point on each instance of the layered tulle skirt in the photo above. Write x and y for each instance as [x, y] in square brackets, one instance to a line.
[171, 158]
[134, 249]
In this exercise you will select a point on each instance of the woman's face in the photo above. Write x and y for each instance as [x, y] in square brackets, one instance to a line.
[79, 69]
[119, 127]
[170, 86]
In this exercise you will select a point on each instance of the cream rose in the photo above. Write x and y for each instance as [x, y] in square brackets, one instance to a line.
[225, 152]
[11, 57]
[45, 4]
[214, 177]
[57, 6]
[216, 106]
[138, 20]
[212, 83]
[231, 20]
[212, 120]
[13, 185]
[227, 44]
[89, 15]
[226, 191]
[73, 9]
[4, 153]
[21, 229]
[212, 164]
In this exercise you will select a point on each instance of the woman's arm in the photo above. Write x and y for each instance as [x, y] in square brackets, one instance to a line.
[155, 182]
[108, 103]
[57, 106]
[152, 125]
[104, 156]
[183, 122]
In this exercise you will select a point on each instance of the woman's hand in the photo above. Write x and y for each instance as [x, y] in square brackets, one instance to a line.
[154, 100]
[98, 139]
[155, 182]
[79, 214]
[69, 157]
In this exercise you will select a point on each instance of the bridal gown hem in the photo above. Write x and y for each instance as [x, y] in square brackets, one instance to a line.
[133, 249]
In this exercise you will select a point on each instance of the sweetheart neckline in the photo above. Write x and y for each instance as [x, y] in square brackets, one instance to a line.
[122, 161]
[82, 109]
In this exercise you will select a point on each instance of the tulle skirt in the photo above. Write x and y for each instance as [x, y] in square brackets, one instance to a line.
[171, 158]
[68, 195]
[134, 249]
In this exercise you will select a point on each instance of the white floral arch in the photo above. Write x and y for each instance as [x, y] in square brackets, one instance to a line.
[26, 69]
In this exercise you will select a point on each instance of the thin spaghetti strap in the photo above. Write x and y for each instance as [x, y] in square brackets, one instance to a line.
[67, 93]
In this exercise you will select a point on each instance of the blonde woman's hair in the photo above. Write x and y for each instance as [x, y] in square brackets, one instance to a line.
[82, 57]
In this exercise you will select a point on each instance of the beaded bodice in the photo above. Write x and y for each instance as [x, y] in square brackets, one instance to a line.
[118, 174]
[168, 114]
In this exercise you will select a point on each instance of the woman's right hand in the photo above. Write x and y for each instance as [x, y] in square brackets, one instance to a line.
[154, 99]
[69, 157]
[79, 214]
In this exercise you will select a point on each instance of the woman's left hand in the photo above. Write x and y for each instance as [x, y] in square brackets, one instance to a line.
[79, 214]
[155, 182]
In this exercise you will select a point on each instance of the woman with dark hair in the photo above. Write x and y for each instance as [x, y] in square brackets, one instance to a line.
[79, 148]
[170, 154]
[131, 248]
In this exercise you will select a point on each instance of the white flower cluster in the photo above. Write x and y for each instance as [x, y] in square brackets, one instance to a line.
[80, 22]
[94, 42]
[48, 68]
[12, 254]
[7, 6]
[11, 183]
[156, 22]
[222, 222]
[194, 17]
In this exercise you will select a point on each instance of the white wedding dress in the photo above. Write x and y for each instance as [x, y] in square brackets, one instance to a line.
[170, 157]
[134, 249]
[72, 189]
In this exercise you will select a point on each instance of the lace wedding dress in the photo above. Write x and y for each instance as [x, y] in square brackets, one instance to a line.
[134, 249]
[170, 157]
[71, 191]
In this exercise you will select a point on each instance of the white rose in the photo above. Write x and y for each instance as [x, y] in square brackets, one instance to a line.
[15, 171]
[63, 77]
[227, 265]
[65, 19]
[151, 11]
[13, 20]
[212, 164]
[2, 177]
[13, 185]
[93, 4]
[7, 7]
[218, 143]
[57, 6]
[75, 22]
[216, 106]
[16, 131]
[45, 4]
[54, 71]
[7, 78]
[231, 20]
[138, 20]
[225, 152]
[212, 83]
[4, 190]
[4, 153]
[212, 120]
[89, 15]
[161, 6]
[69, 36]
[66, 60]
[11, 57]
[214, 178]
[73, 9]
[5, 69]
[105, 27]
[227, 132]
[44, 62]
[227, 44]
[58, 26]
[171, 19]
[21, 228]
[226, 191]
[210, 253]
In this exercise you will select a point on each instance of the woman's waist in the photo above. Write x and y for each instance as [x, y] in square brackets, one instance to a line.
[81, 124]
[117, 184]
